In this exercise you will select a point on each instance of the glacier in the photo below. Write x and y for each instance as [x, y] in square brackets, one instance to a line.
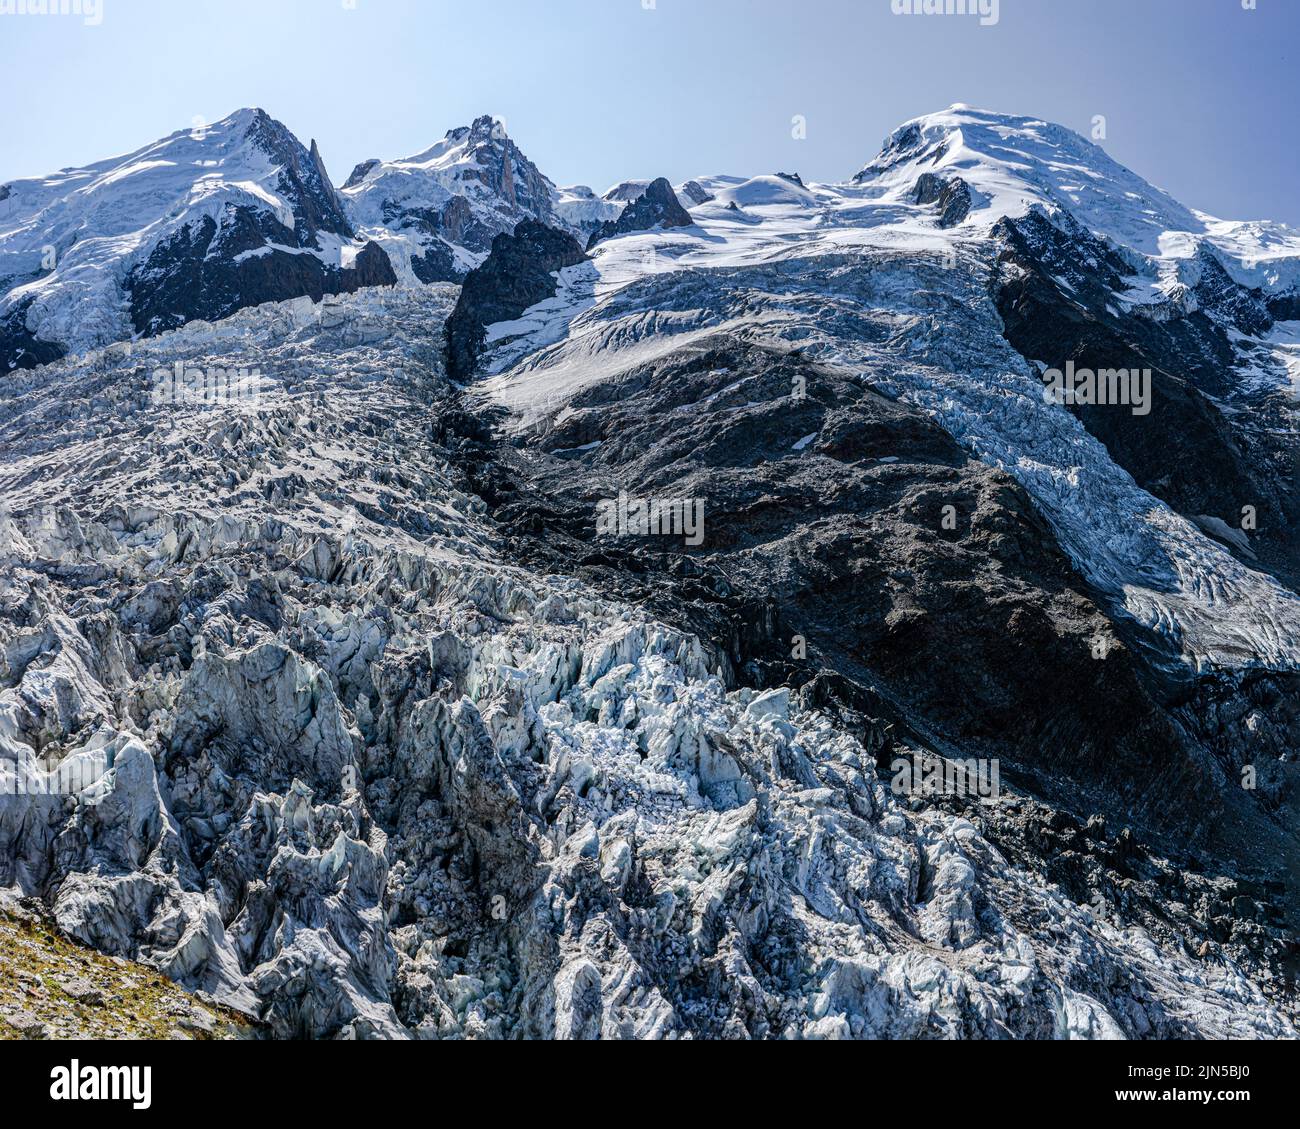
[349, 760]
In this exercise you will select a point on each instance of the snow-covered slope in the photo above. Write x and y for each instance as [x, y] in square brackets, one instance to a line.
[198, 224]
[866, 278]
[582, 211]
[436, 213]
[1017, 163]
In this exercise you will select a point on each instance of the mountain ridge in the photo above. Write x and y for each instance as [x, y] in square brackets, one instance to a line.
[434, 215]
[333, 692]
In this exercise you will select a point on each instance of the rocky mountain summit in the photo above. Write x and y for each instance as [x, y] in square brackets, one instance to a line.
[438, 212]
[196, 226]
[335, 694]
[657, 206]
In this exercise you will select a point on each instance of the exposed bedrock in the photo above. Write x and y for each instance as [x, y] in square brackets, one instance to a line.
[20, 348]
[952, 197]
[518, 274]
[1059, 308]
[208, 272]
[657, 206]
[964, 629]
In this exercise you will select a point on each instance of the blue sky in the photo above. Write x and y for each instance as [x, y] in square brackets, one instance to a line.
[1200, 96]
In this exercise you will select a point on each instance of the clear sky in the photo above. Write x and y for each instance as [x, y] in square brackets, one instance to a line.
[1200, 96]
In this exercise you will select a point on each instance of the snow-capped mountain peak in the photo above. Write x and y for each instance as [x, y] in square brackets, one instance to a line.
[455, 160]
[437, 212]
[101, 253]
[1013, 164]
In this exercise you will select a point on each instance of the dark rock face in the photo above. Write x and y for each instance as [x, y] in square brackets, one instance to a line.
[1227, 302]
[198, 273]
[437, 264]
[840, 547]
[694, 191]
[792, 177]
[458, 223]
[454, 223]
[929, 188]
[901, 146]
[952, 196]
[518, 274]
[1187, 451]
[1285, 307]
[19, 348]
[503, 168]
[370, 268]
[954, 203]
[361, 172]
[303, 182]
[658, 206]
